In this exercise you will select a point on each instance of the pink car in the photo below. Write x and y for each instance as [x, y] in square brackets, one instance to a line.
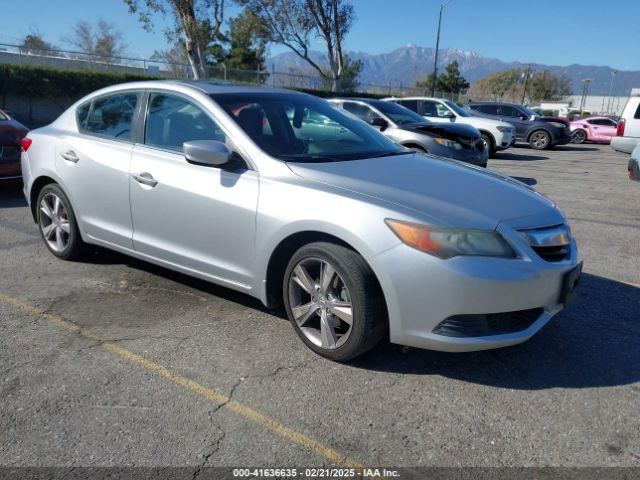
[593, 129]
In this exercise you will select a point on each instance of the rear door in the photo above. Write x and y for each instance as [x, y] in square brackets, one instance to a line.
[602, 129]
[200, 218]
[94, 164]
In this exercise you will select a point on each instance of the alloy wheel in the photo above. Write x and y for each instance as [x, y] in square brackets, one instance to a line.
[579, 136]
[540, 140]
[320, 303]
[54, 222]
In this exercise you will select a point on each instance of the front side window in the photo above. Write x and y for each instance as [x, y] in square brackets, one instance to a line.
[173, 120]
[457, 108]
[301, 128]
[508, 111]
[488, 109]
[361, 111]
[397, 113]
[3, 116]
[112, 116]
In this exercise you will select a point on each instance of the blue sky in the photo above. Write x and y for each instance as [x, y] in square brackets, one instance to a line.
[557, 32]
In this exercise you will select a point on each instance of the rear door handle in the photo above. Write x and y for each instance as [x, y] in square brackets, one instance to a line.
[70, 156]
[145, 178]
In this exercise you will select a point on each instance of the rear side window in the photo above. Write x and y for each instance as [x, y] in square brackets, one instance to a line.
[82, 114]
[637, 115]
[173, 120]
[112, 116]
[488, 109]
[410, 104]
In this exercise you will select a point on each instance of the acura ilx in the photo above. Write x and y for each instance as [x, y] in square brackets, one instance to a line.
[282, 196]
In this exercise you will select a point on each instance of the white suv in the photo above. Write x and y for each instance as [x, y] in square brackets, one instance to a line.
[628, 127]
[497, 135]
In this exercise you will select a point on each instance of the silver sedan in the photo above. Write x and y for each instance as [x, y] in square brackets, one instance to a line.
[282, 196]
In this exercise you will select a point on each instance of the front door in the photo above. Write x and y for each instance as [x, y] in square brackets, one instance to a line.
[197, 217]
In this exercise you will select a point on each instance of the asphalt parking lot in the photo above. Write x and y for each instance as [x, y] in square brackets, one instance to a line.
[113, 362]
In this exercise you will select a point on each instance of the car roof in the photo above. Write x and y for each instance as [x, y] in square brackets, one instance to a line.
[205, 86]
[496, 103]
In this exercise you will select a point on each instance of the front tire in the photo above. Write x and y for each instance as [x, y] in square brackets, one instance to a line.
[540, 140]
[57, 223]
[488, 140]
[334, 301]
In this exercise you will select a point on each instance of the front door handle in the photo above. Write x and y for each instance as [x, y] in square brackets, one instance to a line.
[145, 178]
[70, 156]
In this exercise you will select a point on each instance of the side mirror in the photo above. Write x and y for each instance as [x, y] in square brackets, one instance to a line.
[210, 153]
[448, 114]
[380, 122]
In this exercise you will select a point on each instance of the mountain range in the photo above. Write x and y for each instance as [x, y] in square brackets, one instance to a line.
[407, 64]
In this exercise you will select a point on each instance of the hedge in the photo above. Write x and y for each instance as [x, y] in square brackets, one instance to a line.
[34, 81]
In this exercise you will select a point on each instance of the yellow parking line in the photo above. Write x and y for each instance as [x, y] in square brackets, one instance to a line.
[249, 413]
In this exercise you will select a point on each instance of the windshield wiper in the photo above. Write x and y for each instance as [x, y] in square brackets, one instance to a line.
[390, 154]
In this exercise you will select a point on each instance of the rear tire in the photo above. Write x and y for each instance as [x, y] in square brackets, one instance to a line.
[334, 301]
[579, 136]
[540, 140]
[57, 223]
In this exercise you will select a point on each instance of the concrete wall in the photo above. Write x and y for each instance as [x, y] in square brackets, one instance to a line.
[36, 112]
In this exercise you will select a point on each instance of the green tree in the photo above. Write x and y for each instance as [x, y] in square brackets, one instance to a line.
[428, 82]
[451, 81]
[247, 42]
[546, 85]
[33, 42]
[497, 84]
[349, 80]
[196, 23]
[295, 23]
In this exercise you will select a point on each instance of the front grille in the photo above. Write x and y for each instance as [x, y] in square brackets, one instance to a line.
[487, 324]
[553, 254]
[475, 145]
[552, 244]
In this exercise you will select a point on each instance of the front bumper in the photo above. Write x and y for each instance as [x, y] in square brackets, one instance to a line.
[422, 291]
[562, 138]
[507, 141]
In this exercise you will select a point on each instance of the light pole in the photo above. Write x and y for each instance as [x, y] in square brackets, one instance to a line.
[526, 82]
[585, 91]
[435, 62]
[613, 74]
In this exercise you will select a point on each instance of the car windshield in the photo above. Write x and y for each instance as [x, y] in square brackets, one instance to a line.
[397, 113]
[457, 108]
[528, 111]
[302, 128]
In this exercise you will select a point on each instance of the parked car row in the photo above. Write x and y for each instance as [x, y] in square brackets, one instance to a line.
[296, 201]
[11, 134]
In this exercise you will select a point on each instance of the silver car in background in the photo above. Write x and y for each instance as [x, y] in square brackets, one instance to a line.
[282, 196]
[406, 127]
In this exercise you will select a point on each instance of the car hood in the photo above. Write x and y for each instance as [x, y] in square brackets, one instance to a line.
[447, 130]
[445, 192]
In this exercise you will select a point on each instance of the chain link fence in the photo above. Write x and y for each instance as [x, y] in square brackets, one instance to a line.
[16, 54]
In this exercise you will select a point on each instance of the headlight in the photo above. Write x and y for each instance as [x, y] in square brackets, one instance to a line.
[448, 143]
[503, 129]
[451, 242]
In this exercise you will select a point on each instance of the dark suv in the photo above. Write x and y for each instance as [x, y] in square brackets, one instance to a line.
[539, 132]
